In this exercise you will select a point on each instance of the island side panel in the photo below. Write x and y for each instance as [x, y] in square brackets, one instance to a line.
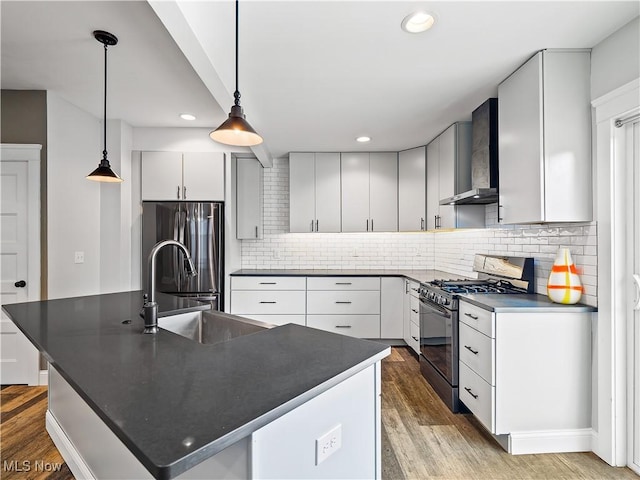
[287, 447]
[92, 450]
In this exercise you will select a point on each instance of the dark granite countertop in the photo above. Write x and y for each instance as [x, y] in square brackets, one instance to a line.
[156, 391]
[423, 275]
[522, 303]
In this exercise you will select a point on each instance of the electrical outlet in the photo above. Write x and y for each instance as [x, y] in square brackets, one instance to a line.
[328, 444]
[79, 257]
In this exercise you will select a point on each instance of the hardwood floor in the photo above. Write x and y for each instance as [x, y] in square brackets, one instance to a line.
[421, 438]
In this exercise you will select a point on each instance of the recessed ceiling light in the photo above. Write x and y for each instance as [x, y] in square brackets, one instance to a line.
[187, 116]
[418, 22]
[363, 139]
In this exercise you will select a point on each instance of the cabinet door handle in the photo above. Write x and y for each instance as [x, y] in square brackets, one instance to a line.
[20, 284]
[416, 339]
[406, 287]
[470, 392]
[268, 283]
[435, 221]
[342, 302]
[312, 225]
[499, 217]
[343, 326]
[178, 193]
[317, 226]
[372, 224]
[343, 283]
[471, 315]
[266, 302]
[636, 277]
[367, 224]
[475, 352]
[184, 193]
[414, 310]
[256, 231]
[421, 223]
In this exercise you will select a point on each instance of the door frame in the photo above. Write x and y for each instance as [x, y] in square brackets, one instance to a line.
[610, 343]
[30, 153]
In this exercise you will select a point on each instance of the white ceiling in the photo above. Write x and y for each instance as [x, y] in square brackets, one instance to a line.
[313, 74]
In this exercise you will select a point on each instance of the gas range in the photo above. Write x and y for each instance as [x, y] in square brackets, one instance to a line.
[444, 292]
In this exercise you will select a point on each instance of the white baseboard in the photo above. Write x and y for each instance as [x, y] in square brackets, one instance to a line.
[554, 441]
[71, 456]
[43, 379]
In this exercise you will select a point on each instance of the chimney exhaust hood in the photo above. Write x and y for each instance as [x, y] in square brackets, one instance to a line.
[484, 158]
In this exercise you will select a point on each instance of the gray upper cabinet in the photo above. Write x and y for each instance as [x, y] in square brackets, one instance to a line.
[369, 192]
[412, 177]
[314, 192]
[249, 174]
[544, 121]
[448, 173]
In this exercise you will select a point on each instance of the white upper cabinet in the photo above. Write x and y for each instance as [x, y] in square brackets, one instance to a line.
[412, 189]
[183, 176]
[448, 173]
[314, 192]
[369, 192]
[249, 198]
[544, 120]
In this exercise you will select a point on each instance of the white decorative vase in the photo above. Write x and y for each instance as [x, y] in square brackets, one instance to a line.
[564, 284]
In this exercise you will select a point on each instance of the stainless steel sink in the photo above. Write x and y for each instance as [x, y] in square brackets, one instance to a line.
[211, 327]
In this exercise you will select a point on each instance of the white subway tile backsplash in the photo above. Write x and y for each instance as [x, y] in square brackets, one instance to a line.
[451, 251]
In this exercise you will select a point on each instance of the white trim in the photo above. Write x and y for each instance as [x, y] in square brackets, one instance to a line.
[553, 441]
[610, 349]
[44, 377]
[68, 451]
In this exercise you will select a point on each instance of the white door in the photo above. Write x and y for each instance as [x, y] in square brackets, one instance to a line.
[327, 200]
[383, 192]
[302, 193]
[161, 176]
[248, 199]
[634, 305]
[19, 256]
[354, 168]
[203, 176]
[433, 184]
[412, 167]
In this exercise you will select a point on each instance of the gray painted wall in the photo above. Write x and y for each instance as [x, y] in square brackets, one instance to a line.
[616, 60]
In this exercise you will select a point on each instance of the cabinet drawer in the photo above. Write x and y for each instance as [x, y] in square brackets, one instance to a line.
[478, 318]
[346, 303]
[268, 283]
[343, 283]
[478, 352]
[414, 306]
[478, 396]
[414, 289]
[361, 326]
[267, 302]
[414, 337]
[278, 319]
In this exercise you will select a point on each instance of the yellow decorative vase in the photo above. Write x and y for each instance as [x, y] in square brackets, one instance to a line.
[564, 284]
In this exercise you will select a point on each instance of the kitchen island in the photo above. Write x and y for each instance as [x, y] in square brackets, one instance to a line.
[290, 401]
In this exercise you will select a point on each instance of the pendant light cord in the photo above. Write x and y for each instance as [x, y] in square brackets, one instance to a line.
[236, 94]
[104, 123]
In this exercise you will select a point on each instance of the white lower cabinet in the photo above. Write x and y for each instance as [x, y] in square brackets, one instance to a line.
[526, 376]
[411, 315]
[271, 299]
[391, 304]
[360, 326]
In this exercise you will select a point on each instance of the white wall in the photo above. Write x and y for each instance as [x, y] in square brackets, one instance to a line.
[178, 140]
[73, 210]
[616, 60]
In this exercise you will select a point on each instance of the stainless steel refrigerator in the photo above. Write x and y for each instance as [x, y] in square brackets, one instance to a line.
[199, 226]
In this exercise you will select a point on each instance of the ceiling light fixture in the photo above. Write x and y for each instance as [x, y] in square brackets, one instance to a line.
[235, 130]
[418, 22]
[187, 116]
[104, 173]
[363, 139]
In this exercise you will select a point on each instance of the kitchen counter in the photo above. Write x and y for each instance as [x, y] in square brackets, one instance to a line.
[421, 276]
[522, 303]
[174, 402]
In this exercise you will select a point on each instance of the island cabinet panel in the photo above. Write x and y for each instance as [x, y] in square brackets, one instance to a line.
[527, 377]
[287, 448]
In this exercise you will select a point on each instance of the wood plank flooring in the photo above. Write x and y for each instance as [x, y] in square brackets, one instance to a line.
[421, 438]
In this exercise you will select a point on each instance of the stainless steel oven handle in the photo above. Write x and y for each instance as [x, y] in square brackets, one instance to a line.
[442, 313]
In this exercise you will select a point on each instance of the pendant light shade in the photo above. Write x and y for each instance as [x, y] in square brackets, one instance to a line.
[104, 173]
[235, 130]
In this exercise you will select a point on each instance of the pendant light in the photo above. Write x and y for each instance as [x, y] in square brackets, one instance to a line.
[235, 130]
[104, 173]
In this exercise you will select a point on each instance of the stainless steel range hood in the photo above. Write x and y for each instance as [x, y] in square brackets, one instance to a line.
[484, 158]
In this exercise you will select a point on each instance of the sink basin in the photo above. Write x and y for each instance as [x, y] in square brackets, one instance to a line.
[211, 327]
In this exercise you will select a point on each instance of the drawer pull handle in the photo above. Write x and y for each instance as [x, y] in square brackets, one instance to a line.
[475, 352]
[343, 283]
[343, 302]
[415, 289]
[416, 339]
[268, 283]
[343, 326]
[267, 302]
[414, 310]
[470, 392]
[471, 315]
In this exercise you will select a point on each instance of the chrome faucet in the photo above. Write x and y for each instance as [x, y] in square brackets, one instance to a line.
[150, 307]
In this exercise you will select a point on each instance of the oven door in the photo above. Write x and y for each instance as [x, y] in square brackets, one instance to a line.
[439, 339]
